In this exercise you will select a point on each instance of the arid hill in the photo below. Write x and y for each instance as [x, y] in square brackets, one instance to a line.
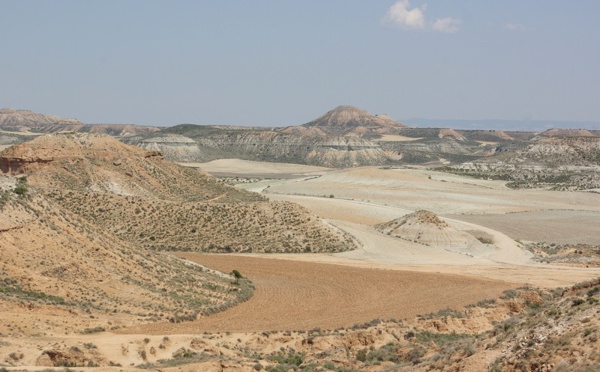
[560, 163]
[346, 136]
[344, 120]
[141, 198]
[55, 264]
[427, 228]
[24, 121]
[101, 164]
[557, 132]
[288, 145]
[84, 218]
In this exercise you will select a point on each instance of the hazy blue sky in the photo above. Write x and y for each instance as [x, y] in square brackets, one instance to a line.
[282, 62]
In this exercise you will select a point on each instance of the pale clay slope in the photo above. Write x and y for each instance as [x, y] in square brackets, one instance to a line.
[425, 227]
[248, 167]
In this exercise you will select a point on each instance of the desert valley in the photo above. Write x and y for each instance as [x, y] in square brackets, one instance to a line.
[349, 243]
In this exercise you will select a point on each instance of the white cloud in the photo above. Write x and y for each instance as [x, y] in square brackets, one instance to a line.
[449, 25]
[515, 27]
[400, 14]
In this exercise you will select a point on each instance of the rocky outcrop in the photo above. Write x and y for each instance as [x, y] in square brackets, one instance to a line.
[302, 146]
[173, 147]
[64, 148]
[559, 163]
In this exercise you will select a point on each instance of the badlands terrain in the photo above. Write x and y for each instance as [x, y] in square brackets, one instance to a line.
[115, 258]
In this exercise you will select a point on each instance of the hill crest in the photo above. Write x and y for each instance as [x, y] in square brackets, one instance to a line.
[351, 116]
[100, 163]
[22, 119]
[425, 227]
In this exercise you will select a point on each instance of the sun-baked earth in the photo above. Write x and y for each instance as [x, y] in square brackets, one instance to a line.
[316, 301]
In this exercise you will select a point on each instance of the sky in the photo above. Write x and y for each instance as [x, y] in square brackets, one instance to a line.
[280, 62]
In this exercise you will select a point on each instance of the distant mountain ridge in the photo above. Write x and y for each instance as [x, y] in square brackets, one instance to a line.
[25, 121]
[345, 136]
[11, 117]
[501, 124]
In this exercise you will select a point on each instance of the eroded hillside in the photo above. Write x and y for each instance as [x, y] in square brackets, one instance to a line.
[101, 164]
[28, 122]
[84, 219]
[343, 137]
[146, 200]
[560, 163]
[55, 264]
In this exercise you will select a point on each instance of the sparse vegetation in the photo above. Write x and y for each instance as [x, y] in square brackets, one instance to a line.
[21, 188]
[88, 331]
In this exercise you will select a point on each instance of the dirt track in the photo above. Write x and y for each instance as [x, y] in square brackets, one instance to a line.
[299, 295]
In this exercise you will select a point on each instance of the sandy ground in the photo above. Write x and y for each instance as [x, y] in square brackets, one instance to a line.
[248, 168]
[443, 194]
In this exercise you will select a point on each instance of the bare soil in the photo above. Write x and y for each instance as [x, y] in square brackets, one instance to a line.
[302, 295]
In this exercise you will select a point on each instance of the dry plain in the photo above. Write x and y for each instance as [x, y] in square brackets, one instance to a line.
[356, 199]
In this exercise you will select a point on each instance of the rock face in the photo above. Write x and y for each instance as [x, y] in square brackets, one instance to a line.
[64, 149]
[346, 136]
[427, 228]
[174, 147]
[300, 145]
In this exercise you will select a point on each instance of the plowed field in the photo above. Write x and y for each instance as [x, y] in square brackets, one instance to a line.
[301, 295]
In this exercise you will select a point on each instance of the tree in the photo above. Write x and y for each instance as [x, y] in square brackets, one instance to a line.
[236, 274]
